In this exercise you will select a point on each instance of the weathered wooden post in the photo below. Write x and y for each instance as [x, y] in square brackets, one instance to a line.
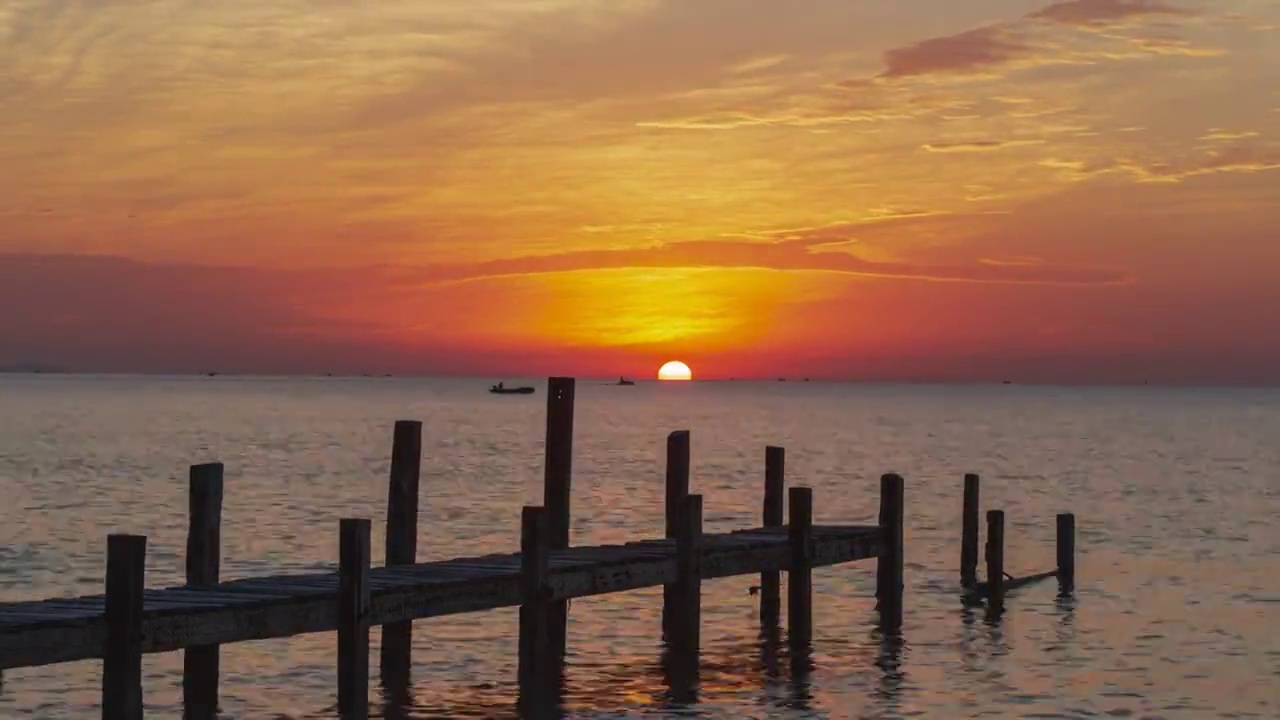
[204, 559]
[1066, 546]
[775, 459]
[995, 561]
[534, 660]
[969, 532]
[353, 619]
[800, 574]
[122, 657]
[401, 545]
[890, 582]
[688, 587]
[677, 491]
[557, 476]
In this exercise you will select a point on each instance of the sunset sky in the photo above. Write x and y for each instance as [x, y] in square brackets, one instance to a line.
[1076, 191]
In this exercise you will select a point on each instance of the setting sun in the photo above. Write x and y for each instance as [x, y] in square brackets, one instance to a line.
[675, 370]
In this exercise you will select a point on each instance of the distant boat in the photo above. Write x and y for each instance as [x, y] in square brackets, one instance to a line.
[624, 381]
[500, 389]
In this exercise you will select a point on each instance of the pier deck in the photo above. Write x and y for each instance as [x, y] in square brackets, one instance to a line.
[69, 629]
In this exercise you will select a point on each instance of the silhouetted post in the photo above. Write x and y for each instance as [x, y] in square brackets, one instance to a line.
[534, 660]
[969, 532]
[558, 471]
[122, 657]
[995, 561]
[204, 559]
[800, 575]
[889, 568]
[676, 492]
[774, 488]
[353, 619]
[401, 545]
[1066, 552]
[683, 638]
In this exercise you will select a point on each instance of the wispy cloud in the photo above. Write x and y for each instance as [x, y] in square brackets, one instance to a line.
[978, 145]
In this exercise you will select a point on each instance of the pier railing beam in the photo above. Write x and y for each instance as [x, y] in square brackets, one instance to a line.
[890, 582]
[353, 619]
[800, 575]
[557, 479]
[775, 459]
[1066, 547]
[122, 657]
[204, 559]
[401, 545]
[677, 492]
[535, 663]
[995, 562]
[969, 531]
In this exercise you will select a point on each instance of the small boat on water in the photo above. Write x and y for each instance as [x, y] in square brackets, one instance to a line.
[501, 389]
[624, 381]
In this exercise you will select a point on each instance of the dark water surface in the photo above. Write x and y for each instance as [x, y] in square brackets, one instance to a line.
[1176, 492]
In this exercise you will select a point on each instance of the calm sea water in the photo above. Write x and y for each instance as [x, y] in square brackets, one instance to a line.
[1176, 494]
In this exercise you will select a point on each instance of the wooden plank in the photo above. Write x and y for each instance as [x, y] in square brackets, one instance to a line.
[353, 619]
[395, 659]
[969, 530]
[556, 489]
[995, 561]
[122, 655]
[775, 459]
[204, 561]
[534, 671]
[890, 578]
[1066, 551]
[677, 489]
[800, 576]
[67, 640]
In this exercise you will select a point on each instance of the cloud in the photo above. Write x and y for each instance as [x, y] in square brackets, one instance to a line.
[970, 52]
[1239, 159]
[977, 146]
[1222, 135]
[805, 249]
[1100, 13]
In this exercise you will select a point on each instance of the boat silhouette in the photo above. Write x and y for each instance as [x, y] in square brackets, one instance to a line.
[501, 389]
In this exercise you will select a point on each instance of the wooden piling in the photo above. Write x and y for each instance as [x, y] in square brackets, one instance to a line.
[969, 532]
[677, 490]
[775, 459]
[1066, 546]
[401, 544]
[204, 558]
[890, 582]
[534, 660]
[800, 574]
[995, 561]
[557, 476]
[122, 656]
[353, 619]
[688, 587]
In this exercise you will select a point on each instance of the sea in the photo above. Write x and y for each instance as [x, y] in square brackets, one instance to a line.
[1176, 493]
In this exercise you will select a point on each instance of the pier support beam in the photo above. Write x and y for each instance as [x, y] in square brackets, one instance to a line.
[684, 607]
[969, 532]
[204, 560]
[677, 491]
[995, 562]
[775, 459]
[1066, 547]
[401, 549]
[122, 659]
[353, 619]
[557, 477]
[535, 663]
[889, 568]
[800, 576]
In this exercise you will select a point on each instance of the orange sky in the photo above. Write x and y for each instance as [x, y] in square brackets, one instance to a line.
[1086, 190]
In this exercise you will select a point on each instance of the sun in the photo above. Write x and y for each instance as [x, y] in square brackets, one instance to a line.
[675, 370]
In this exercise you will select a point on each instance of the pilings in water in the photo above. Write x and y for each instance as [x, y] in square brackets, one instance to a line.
[401, 549]
[969, 532]
[204, 560]
[122, 656]
[775, 460]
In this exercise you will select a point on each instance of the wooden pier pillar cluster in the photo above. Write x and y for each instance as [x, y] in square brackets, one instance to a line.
[539, 580]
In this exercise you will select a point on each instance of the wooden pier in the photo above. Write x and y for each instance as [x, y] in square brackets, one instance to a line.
[547, 571]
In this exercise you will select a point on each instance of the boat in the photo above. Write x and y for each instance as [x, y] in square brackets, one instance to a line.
[501, 389]
[624, 381]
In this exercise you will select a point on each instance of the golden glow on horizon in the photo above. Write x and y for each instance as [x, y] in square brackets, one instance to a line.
[675, 370]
